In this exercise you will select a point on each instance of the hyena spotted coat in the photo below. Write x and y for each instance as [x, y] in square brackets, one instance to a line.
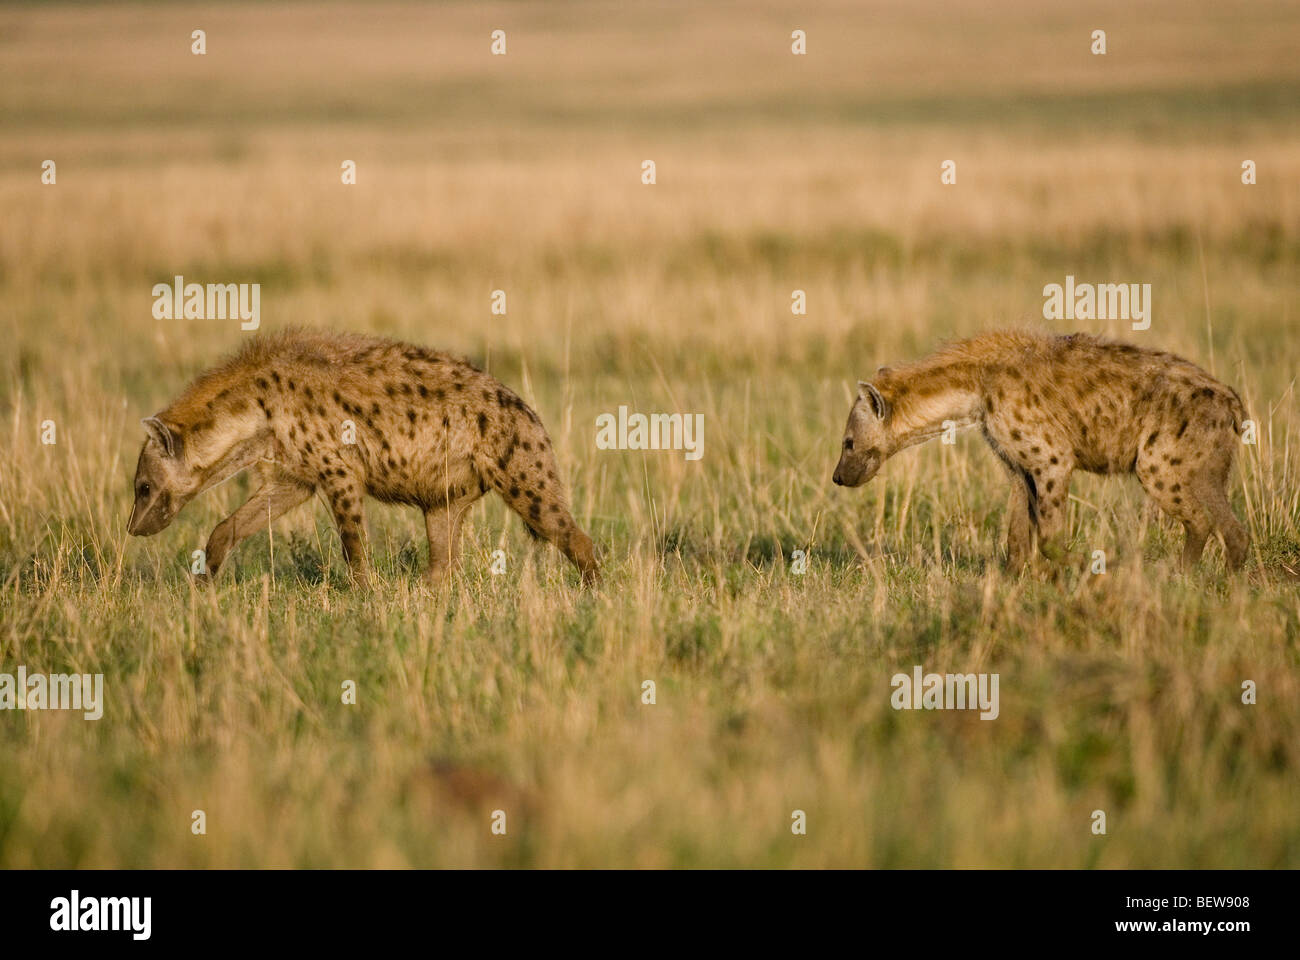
[431, 431]
[1050, 405]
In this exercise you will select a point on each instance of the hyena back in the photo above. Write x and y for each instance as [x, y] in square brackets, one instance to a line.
[1050, 405]
[347, 416]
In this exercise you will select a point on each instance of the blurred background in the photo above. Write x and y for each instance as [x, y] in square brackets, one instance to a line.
[522, 173]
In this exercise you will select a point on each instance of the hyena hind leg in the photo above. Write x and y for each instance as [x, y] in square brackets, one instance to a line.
[1181, 500]
[1198, 499]
[443, 526]
[346, 500]
[1236, 542]
[552, 521]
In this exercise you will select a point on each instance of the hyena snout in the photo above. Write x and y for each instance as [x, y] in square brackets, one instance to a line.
[152, 512]
[857, 467]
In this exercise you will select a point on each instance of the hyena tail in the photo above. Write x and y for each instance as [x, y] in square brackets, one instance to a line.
[1238, 410]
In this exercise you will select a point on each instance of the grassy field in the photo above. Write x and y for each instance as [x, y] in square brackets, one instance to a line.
[522, 692]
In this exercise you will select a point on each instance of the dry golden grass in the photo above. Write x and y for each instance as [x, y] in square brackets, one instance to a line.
[522, 692]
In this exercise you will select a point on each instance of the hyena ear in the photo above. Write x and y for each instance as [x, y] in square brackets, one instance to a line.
[867, 392]
[162, 434]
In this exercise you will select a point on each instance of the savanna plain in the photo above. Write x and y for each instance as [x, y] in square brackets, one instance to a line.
[522, 691]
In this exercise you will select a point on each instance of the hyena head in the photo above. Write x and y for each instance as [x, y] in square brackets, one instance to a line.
[163, 481]
[866, 438]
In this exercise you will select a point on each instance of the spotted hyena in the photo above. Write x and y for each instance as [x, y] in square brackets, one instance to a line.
[1051, 405]
[347, 416]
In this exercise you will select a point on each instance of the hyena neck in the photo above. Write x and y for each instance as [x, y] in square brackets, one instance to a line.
[232, 453]
[222, 431]
[930, 397]
[220, 438]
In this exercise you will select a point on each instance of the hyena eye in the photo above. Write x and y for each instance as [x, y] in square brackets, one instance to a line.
[142, 490]
[848, 443]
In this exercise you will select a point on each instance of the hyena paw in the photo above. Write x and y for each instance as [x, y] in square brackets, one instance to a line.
[437, 575]
[363, 581]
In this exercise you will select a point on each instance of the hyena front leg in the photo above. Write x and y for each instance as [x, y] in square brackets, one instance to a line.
[279, 494]
[345, 496]
[1020, 523]
[1052, 484]
[443, 526]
